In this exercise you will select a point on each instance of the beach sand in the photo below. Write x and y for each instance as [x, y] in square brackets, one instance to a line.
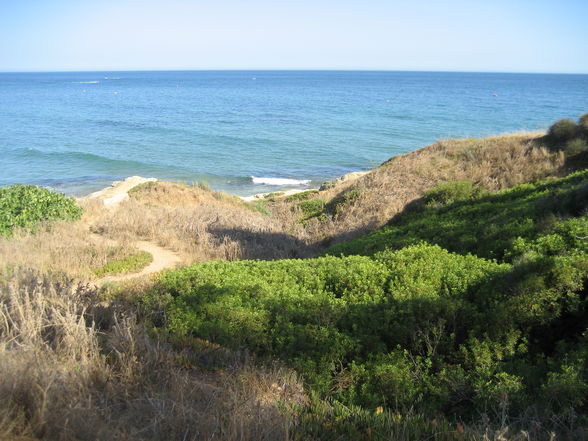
[118, 191]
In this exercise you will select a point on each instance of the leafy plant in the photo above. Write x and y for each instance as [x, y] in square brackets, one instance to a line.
[485, 226]
[449, 192]
[563, 130]
[134, 262]
[25, 206]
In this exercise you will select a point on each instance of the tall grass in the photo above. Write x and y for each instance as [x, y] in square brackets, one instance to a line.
[72, 368]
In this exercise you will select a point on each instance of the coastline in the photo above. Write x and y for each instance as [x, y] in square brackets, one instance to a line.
[118, 191]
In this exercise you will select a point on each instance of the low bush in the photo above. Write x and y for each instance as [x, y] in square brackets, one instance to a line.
[449, 192]
[134, 262]
[576, 146]
[485, 226]
[419, 328]
[25, 206]
[563, 130]
[583, 123]
[302, 196]
[312, 207]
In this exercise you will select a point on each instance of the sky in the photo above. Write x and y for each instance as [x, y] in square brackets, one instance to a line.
[444, 35]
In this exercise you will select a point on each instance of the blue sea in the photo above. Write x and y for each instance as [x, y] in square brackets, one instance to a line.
[247, 132]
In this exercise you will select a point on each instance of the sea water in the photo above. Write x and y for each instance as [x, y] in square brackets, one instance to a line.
[246, 132]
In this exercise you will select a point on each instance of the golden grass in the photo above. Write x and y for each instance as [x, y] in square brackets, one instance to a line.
[61, 247]
[72, 368]
[199, 224]
[495, 163]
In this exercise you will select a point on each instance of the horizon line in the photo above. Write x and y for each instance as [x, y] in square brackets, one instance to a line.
[16, 71]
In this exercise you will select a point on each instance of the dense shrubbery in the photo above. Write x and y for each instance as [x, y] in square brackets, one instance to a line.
[563, 130]
[468, 304]
[449, 192]
[485, 226]
[27, 205]
[419, 328]
[570, 137]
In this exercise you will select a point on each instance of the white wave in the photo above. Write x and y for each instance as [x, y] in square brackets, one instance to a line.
[279, 181]
[84, 82]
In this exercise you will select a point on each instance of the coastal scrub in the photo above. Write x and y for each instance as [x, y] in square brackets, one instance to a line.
[25, 206]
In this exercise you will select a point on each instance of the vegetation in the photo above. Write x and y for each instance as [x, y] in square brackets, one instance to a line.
[301, 196]
[583, 123]
[449, 192]
[76, 368]
[412, 327]
[462, 315]
[570, 137]
[25, 206]
[563, 130]
[486, 225]
[132, 262]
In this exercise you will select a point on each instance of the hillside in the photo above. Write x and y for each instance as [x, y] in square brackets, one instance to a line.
[351, 208]
[442, 295]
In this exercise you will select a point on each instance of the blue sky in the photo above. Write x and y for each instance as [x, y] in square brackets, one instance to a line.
[450, 35]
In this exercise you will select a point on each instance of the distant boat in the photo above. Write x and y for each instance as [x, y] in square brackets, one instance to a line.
[494, 94]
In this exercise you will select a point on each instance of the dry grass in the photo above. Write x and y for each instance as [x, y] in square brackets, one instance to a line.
[199, 224]
[495, 163]
[74, 369]
[61, 247]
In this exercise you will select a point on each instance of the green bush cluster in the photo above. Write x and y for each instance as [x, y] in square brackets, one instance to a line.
[472, 304]
[134, 262]
[302, 196]
[320, 209]
[420, 327]
[449, 192]
[569, 136]
[485, 226]
[25, 206]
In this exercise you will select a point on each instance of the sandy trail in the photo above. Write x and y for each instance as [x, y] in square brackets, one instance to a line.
[162, 258]
[118, 191]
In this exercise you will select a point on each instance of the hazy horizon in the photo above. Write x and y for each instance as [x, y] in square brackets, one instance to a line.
[16, 71]
[375, 35]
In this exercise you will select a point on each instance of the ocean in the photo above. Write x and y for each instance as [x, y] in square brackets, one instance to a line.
[247, 132]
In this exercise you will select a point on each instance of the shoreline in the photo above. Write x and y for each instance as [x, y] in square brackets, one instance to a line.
[118, 191]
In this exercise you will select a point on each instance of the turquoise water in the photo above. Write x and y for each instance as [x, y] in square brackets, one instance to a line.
[78, 132]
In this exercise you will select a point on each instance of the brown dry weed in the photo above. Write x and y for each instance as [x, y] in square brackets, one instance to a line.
[72, 368]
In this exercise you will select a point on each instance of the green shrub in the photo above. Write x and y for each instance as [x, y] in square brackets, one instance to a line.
[145, 186]
[26, 206]
[337, 205]
[576, 146]
[563, 131]
[485, 226]
[449, 192]
[312, 207]
[302, 196]
[583, 124]
[259, 205]
[134, 262]
[419, 328]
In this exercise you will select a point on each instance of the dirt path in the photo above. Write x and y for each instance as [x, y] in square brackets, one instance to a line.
[162, 259]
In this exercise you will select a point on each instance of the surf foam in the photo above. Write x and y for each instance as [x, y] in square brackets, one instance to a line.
[279, 181]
